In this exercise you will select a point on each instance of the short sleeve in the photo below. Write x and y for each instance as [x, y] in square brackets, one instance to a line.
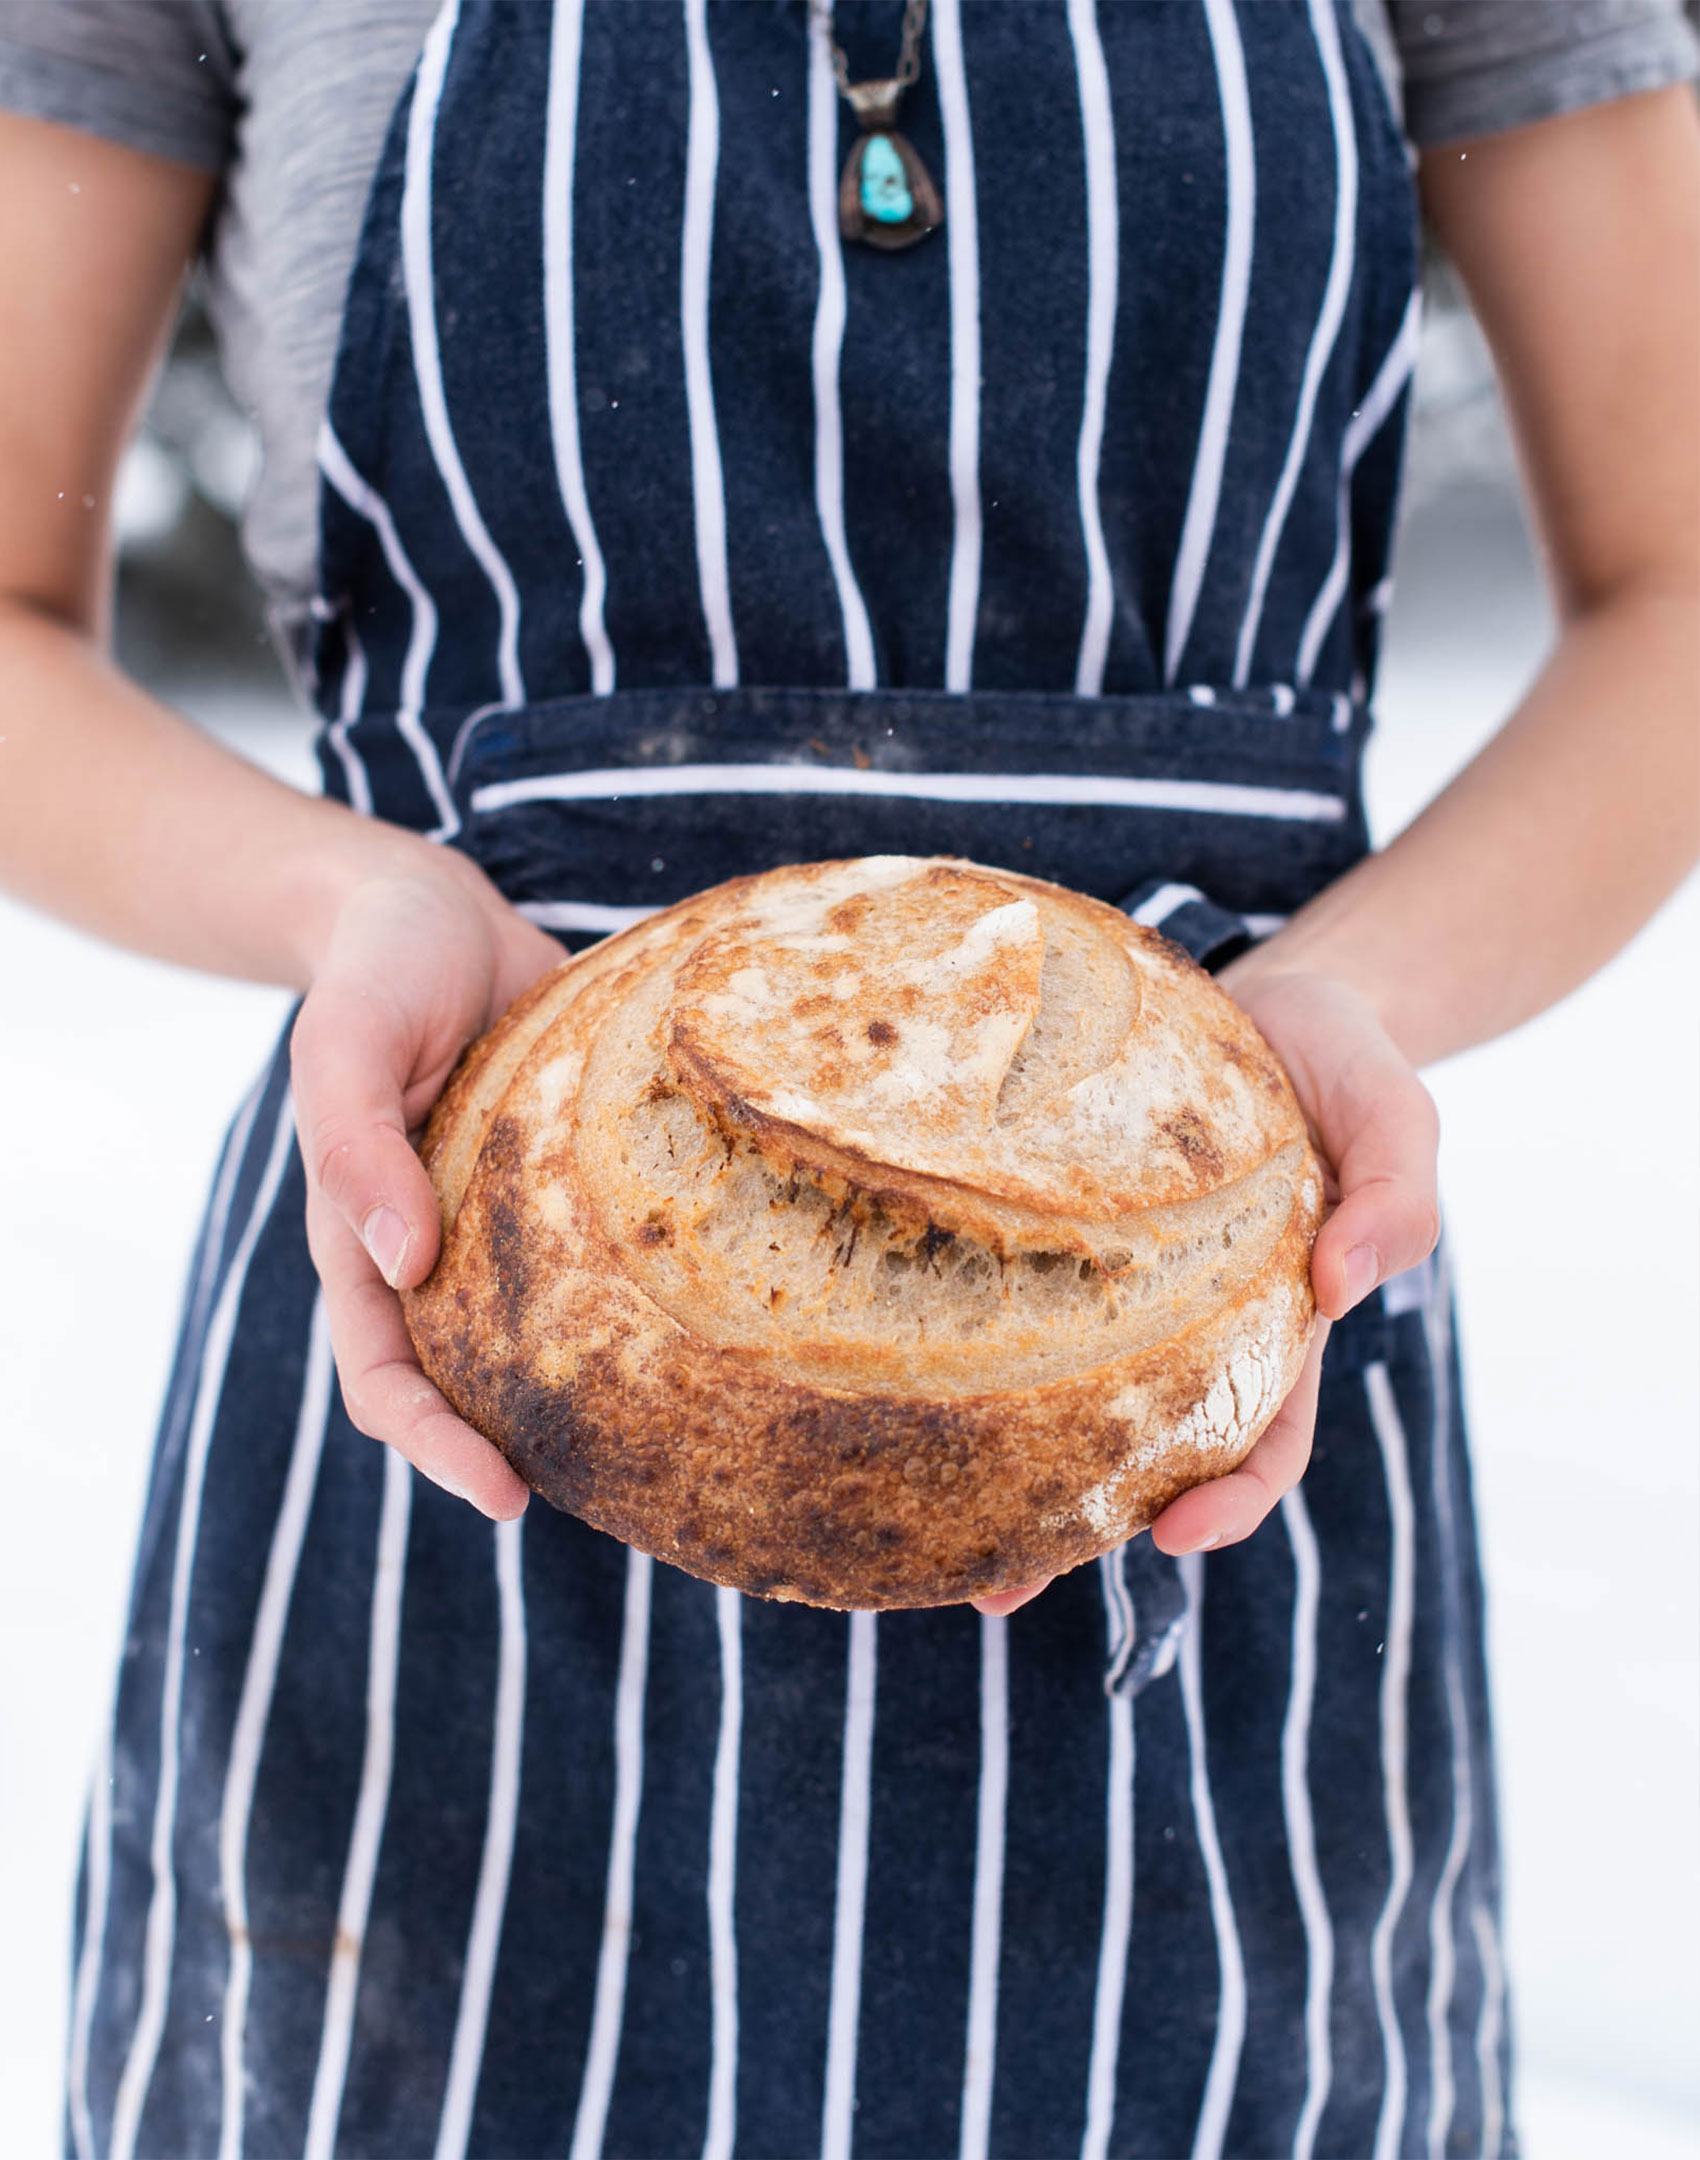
[1475, 67]
[154, 75]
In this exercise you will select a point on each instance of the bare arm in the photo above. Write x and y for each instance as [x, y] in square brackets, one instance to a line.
[1579, 241]
[120, 816]
[114, 812]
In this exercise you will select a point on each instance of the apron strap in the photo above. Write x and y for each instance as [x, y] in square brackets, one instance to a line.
[1213, 935]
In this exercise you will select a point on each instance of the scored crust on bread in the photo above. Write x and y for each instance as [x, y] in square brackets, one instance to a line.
[875, 1233]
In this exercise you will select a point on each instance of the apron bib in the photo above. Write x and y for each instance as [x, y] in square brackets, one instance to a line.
[664, 539]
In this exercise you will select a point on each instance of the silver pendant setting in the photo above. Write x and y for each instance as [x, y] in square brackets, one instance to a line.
[886, 196]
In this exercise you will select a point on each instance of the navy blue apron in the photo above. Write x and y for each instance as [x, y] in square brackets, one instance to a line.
[665, 538]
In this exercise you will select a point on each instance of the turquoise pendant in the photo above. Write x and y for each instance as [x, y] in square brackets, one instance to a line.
[886, 196]
[885, 190]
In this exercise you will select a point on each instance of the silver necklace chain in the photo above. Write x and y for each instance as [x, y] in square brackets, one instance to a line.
[909, 52]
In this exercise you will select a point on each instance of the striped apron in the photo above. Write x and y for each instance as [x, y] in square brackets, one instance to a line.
[663, 539]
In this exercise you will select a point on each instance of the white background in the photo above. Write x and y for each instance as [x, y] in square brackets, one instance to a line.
[1572, 1173]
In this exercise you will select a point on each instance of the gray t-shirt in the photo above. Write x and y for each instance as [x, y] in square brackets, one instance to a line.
[290, 100]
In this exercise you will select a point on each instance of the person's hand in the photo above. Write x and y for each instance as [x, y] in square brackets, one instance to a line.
[415, 965]
[1373, 1125]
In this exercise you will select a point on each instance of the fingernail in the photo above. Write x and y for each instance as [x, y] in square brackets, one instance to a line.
[386, 1237]
[1208, 1544]
[1362, 1269]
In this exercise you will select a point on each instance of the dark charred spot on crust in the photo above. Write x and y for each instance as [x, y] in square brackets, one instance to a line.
[537, 1430]
[881, 1034]
[504, 1143]
[820, 1431]
[653, 1233]
[1185, 1130]
[506, 1244]
[659, 1090]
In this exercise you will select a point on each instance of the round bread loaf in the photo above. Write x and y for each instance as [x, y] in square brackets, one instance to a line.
[875, 1233]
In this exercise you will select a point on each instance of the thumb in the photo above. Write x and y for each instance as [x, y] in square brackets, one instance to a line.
[1380, 1131]
[350, 1061]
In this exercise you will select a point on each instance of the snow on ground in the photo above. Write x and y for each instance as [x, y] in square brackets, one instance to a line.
[1572, 1179]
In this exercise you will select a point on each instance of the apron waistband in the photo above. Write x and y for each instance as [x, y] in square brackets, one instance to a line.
[588, 811]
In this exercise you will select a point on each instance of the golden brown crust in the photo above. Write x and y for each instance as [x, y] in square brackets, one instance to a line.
[701, 1295]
